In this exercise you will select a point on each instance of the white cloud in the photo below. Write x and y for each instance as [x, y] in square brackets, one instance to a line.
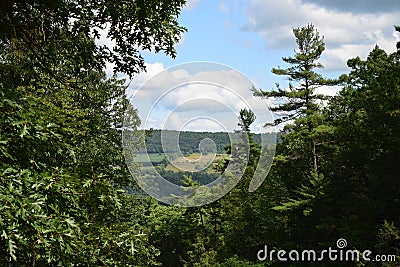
[173, 121]
[172, 97]
[335, 58]
[346, 34]
[201, 123]
[203, 97]
[191, 4]
[328, 90]
[180, 74]
[139, 80]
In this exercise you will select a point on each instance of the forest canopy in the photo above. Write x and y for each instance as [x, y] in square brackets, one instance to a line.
[64, 181]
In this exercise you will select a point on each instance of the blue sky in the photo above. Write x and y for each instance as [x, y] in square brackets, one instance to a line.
[215, 35]
[252, 36]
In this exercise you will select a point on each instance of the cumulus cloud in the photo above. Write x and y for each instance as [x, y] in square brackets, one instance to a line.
[203, 97]
[347, 34]
[169, 98]
[139, 80]
[177, 84]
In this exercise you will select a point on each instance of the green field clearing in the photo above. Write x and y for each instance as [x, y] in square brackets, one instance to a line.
[193, 162]
[154, 157]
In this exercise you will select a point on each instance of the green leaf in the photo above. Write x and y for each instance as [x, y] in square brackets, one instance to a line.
[71, 223]
[11, 249]
[24, 131]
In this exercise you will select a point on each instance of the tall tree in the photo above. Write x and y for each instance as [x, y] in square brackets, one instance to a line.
[297, 174]
[238, 218]
[246, 118]
[299, 101]
[366, 115]
[61, 162]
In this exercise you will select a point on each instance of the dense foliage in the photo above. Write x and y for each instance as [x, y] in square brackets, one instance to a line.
[62, 172]
[62, 167]
[189, 141]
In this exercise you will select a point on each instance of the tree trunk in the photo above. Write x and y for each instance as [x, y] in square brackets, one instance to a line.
[314, 155]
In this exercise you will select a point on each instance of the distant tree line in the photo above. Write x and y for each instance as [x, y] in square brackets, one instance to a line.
[189, 141]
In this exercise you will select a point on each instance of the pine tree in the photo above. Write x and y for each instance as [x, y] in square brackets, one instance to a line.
[299, 103]
[298, 167]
